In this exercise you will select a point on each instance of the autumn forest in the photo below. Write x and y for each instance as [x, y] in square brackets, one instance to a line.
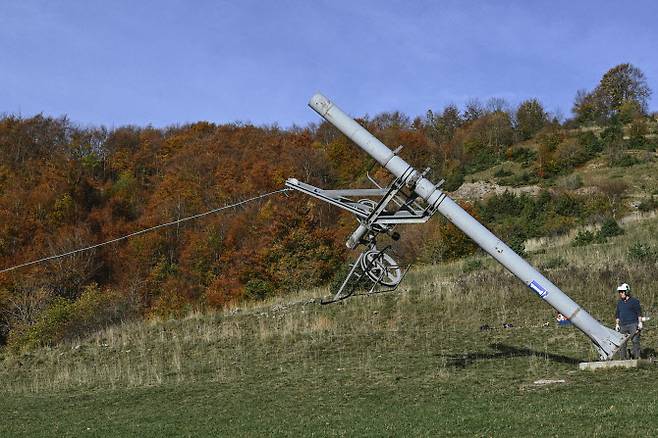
[65, 186]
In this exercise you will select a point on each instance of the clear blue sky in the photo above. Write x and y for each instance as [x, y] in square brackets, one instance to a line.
[169, 62]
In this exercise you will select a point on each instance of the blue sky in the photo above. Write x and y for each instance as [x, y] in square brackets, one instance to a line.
[171, 62]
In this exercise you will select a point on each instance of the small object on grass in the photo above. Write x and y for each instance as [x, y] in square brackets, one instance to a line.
[604, 364]
[548, 381]
[507, 325]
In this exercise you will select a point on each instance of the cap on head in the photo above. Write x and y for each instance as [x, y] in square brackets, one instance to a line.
[624, 287]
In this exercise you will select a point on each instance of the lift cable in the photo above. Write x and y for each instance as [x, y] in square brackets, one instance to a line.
[146, 230]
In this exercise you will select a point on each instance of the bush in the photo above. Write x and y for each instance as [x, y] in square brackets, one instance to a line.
[648, 204]
[517, 243]
[50, 328]
[642, 252]
[583, 238]
[524, 178]
[65, 319]
[546, 215]
[453, 180]
[569, 155]
[637, 142]
[445, 241]
[623, 160]
[597, 205]
[610, 228]
[613, 134]
[502, 172]
[588, 141]
[257, 289]
[557, 225]
[479, 160]
[566, 204]
[521, 155]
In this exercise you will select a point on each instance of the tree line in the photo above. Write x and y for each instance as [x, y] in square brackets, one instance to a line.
[64, 187]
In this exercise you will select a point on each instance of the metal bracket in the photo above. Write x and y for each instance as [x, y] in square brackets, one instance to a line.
[378, 210]
[407, 211]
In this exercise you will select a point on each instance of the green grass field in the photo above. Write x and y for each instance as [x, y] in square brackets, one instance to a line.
[409, 363]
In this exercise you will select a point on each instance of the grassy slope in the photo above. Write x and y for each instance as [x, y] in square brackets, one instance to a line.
[409, 363]
[413, 362]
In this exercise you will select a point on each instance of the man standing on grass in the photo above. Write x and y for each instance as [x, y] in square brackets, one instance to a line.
[628, 319]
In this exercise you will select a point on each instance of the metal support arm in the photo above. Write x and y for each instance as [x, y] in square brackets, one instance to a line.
[606, 341]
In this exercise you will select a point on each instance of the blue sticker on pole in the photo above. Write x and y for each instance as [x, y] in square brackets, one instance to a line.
[538, 288]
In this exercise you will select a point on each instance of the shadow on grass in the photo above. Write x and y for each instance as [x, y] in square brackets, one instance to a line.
[505, 351]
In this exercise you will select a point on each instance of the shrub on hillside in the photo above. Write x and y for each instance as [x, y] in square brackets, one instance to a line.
[257, 289]
[65, 319]
[502, 172]
[642, 252]
[49, 329]
[521, 155]
[547, 214]
[597, 204]
[172, 301]
[639, 142]
[557, 225]
[622, 160]
[648, 204]
[453, 180]
[584, 238]
[636, 133]
[610, 228]
[517, 243]
[590, 143]
[524, 178]
[569, 154]
[479, 159]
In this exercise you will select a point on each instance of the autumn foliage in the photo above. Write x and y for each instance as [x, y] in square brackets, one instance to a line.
[65, 187]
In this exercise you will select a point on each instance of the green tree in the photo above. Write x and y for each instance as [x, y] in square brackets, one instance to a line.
[486, 139]
[473, 111]
[584, 107]
[622, 83]
[530, 118]
[637, 132]
[613, 140]
[622, 91]
[442, 128]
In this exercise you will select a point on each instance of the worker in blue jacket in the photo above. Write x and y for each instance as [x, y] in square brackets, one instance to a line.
[628, 318]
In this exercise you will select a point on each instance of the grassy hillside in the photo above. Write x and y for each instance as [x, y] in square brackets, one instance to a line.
[414, 362]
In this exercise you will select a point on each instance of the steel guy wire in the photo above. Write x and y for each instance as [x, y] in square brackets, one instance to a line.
[145, 230]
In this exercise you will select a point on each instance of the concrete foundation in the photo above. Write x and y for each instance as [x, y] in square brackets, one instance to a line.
[608, 364]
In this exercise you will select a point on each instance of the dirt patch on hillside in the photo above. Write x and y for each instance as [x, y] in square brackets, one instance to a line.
[483, 189]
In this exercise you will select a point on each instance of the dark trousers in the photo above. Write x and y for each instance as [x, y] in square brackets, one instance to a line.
[630, 329]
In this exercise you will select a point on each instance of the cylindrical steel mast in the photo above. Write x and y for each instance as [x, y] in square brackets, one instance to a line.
[607, 341]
